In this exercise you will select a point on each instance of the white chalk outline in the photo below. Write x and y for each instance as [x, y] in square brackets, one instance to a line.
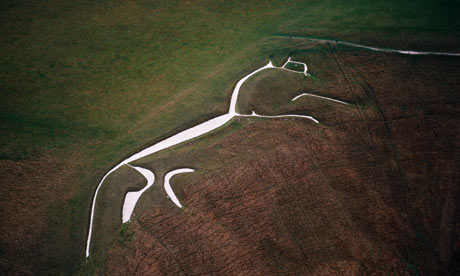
[167, 185]
[131, 198]
[296, 62]
[317, 96]
[254, 114]
[186, 135]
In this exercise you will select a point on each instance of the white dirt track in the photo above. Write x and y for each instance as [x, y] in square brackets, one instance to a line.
[379, 49]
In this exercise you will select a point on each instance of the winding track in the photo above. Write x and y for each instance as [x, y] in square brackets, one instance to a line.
[379, 49]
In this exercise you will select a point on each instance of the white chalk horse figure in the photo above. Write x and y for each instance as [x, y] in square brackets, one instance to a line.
[131, 198]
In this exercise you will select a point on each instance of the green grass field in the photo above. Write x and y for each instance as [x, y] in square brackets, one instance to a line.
[91, 82]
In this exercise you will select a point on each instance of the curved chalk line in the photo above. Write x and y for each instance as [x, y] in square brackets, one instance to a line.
[131, 198]
[317, 96]
[254, 114]
[167, 185]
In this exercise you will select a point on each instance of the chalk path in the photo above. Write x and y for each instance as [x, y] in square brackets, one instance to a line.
[379, 49]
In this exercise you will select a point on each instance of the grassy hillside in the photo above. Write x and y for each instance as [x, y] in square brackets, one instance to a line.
[85, 83]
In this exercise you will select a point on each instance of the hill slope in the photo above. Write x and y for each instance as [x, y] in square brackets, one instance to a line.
[87, 83]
